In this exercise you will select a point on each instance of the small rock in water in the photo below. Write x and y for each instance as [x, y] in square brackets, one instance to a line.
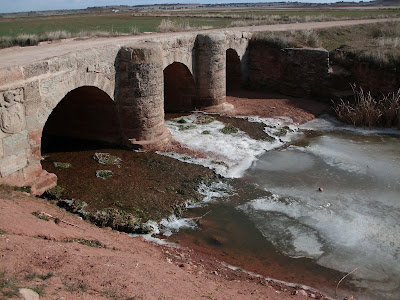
[320, 189]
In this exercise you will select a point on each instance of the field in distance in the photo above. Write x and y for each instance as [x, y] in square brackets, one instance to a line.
[122, 21]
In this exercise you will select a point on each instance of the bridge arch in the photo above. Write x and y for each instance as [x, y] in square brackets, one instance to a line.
[179, 88]
[85, 113]
[233, 70]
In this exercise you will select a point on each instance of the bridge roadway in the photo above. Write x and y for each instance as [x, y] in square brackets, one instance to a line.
[17, 56]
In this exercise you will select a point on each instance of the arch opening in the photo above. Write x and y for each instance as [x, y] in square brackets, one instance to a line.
[85, 118]
[179, 89]
[233, 71]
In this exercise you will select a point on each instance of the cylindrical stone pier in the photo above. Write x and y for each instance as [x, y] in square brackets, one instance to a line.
[141, 96]
[210, 70]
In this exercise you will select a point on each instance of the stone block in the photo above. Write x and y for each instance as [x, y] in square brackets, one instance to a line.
[51, 84]
[32, 171]
[62, 63]
[35, 69]
[42, 183]
[10, 75]
[13, 163]
[35, 137]
[86, 58]
[32, 91]
[16, 143]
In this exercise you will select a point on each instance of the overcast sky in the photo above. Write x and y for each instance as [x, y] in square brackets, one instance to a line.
[29, 5]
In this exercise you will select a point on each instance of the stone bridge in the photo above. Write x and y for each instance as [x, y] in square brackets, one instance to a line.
[116, 94]
[119, 93]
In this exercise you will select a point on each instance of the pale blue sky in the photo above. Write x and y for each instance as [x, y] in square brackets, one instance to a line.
[28, 5]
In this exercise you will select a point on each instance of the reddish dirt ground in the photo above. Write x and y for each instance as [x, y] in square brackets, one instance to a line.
[123, 268]
[269, 104]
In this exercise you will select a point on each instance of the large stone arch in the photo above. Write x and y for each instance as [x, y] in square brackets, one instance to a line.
[86, 113]
[179, 88]
[55, 88]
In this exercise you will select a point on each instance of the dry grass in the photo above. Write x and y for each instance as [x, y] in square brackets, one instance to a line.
[55, 35]
[368, 112]
[292, 39]
[167, 25]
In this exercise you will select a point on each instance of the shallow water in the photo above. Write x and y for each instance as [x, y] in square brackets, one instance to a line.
[275, 219]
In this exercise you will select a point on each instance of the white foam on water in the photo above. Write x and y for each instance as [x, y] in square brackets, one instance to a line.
[173, 224]
[215, 190]
[228, 154]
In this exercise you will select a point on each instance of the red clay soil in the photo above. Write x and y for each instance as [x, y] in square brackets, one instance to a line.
[269, 104]
[122, 267]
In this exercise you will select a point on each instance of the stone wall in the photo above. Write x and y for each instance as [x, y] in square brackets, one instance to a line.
[299, 72]
[370, 78]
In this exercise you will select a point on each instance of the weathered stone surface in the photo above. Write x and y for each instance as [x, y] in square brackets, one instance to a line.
[15, 143]
[62, 63]
[10, 75]
[12, 163]
[35, 69]
[12, 112]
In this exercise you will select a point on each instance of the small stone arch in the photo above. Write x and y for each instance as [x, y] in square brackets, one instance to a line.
[179, 88]
[233, 70]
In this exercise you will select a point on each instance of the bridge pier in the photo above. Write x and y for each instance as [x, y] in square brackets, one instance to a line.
[140, 96]
[209, 69]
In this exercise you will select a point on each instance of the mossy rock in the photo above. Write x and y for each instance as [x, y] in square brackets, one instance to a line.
[281, 132]
[187, 127]
[106, 158]
[25, 189]
[229, 129]
[55, 193]
[104, 174]
[181, 121]
[119, 220]
[61, 165]
[204, 119]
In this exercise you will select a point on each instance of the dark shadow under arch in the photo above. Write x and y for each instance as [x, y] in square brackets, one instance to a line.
[233, 71]
[84, 115]
[179, 88]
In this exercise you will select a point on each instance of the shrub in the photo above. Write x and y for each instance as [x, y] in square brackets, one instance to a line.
[27, 40]
[369, 112]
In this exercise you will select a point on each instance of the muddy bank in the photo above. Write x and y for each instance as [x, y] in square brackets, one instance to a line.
[143, 186]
